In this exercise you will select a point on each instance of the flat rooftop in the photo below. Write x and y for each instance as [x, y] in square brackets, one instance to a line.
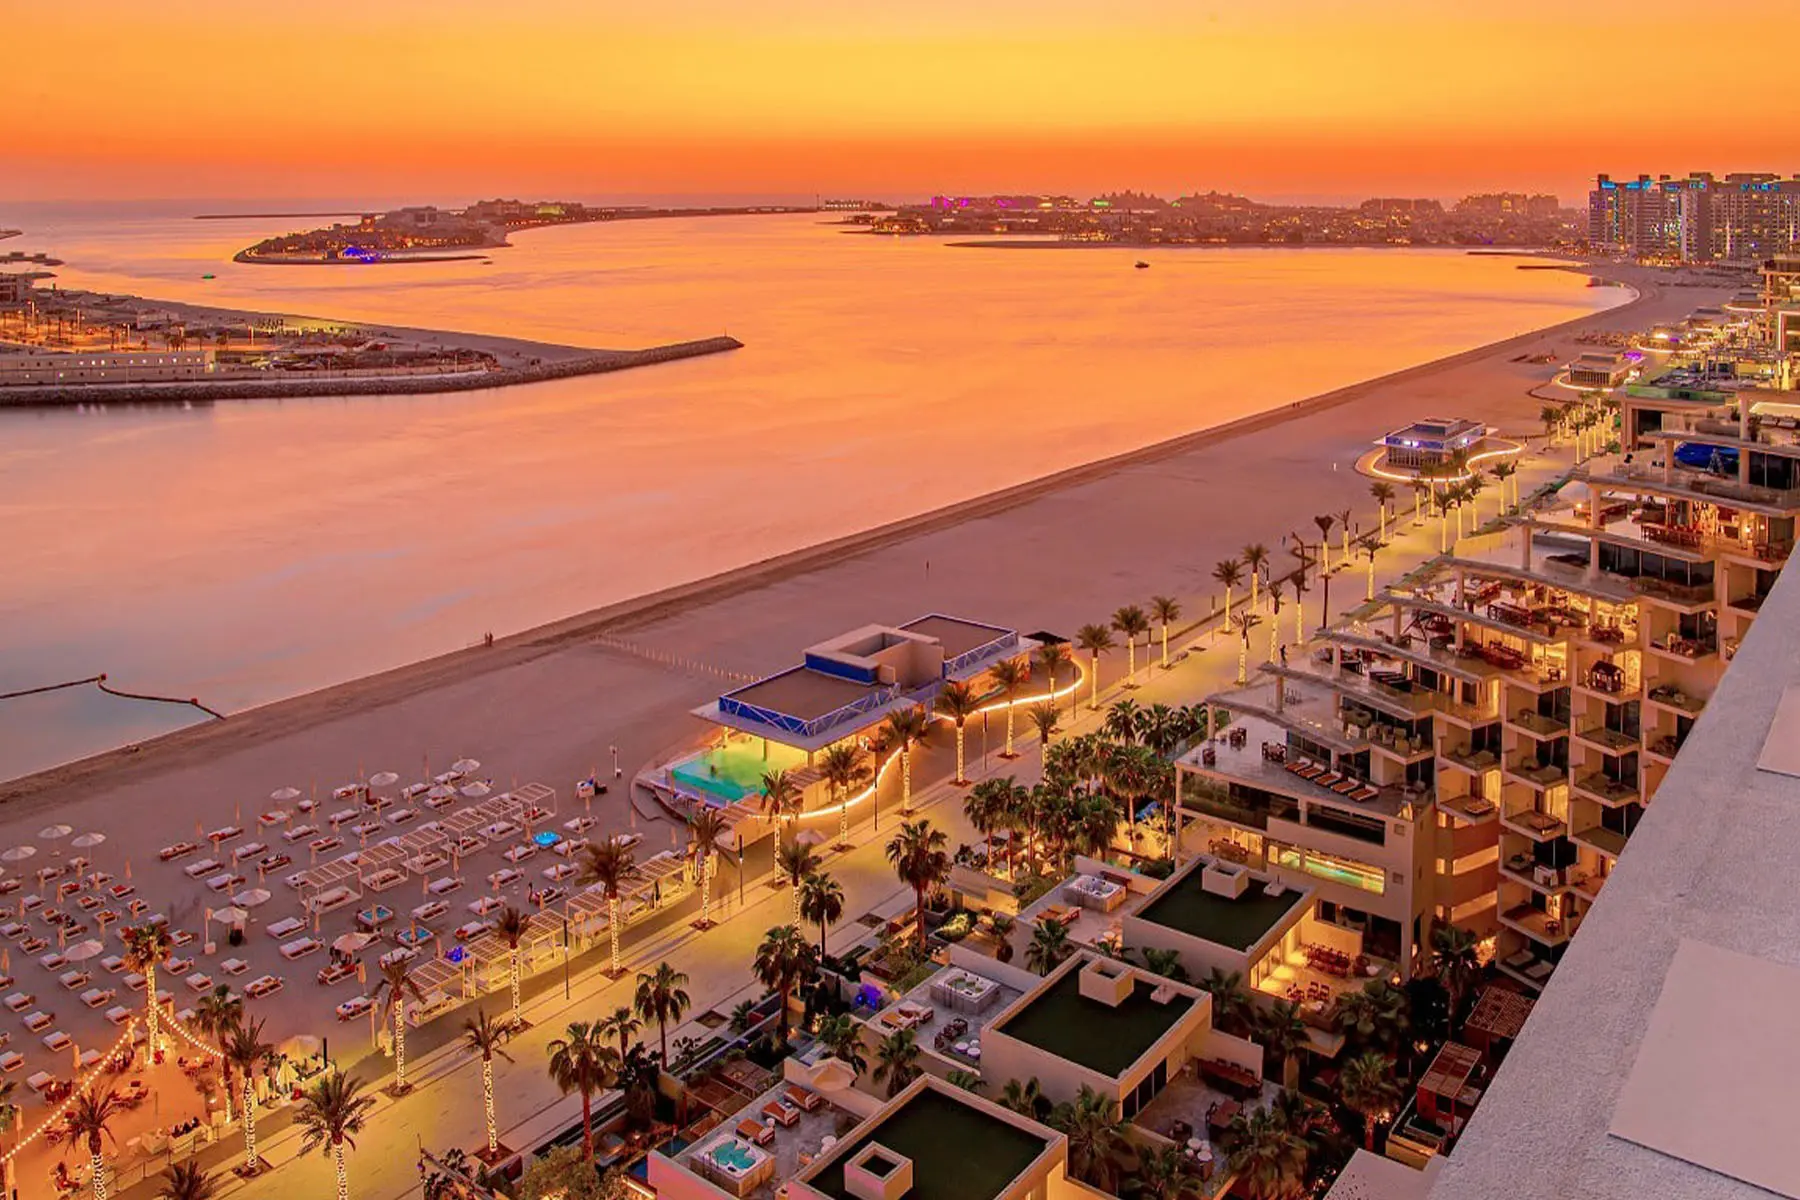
[1710, 865]
[955, 634]
[802, 693]
[1100, 1037]
[1250, 766]
[959, 1151]
[1437, 429]
[1239, 924]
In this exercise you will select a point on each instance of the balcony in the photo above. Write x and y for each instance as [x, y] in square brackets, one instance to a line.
[1689, 649]
[1664, 746]
[1538, 826]
[1475, 762]
[1604, 788]
[1588, 883]
[1751, 603]
[1670, 696]
[1609, 681]
[1528, 769]
[1538, 725]
[1609, 842]
[1522, 868]
[1610, 740]
[1527, 968]
[1470, 808]
[1539, 926]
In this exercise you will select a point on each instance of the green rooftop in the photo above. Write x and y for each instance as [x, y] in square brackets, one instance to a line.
[1100, 1037]
[1239, 924]
[958, 1151]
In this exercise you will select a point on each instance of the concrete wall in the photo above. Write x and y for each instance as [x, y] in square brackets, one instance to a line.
[1242, 1051]
[1336, 937]
[673, 1181]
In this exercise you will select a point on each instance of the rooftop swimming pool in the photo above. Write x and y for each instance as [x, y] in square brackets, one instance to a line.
[731, 771]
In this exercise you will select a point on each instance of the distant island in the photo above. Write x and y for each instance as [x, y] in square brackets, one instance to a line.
[1221, 218]
[427, 233]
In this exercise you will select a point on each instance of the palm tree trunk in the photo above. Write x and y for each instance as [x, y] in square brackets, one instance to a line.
[1165, 653]
[1131, 656]
[587, 1124]
[153, 1019]
[249, 1126]
[919, 915]
[959, 752]
[662, 1033]
[612, 926]
[400, 1044]
[1009, 728]
[905, 781]
[487, 1100]
[1094, 668]
[229, 1080]
[97, 1166]
[343, 1176]
[518, 1017]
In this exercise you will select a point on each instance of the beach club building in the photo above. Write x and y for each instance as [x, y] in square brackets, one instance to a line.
[842, 689]
[1432, 443]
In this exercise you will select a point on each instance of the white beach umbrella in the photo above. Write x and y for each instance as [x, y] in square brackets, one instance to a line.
[18, 854]
[383, 779]
[83, 950]
[465, 765]
[284, 794]
[251, 897]
[810, 837]
[230, 915]
[476, 791]
[441, 791]
[88, 841]
[350, 943]
[55, 833]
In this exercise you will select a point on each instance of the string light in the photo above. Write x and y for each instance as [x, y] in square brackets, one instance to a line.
[57, 1114]
[193, 1040]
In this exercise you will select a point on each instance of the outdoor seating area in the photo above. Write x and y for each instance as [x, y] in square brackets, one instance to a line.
[778, 1131]
[948, 1011]
[1197, 1106]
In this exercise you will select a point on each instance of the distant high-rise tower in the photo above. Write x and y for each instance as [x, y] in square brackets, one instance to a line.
[1743, 218]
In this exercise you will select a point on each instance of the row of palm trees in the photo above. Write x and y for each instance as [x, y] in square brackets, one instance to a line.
[1588, 420]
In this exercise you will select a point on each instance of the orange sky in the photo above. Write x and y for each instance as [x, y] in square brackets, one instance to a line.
[451, 99]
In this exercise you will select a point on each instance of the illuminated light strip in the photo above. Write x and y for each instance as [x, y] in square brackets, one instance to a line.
[1381, 473]
[82, 1086]
[833, 810]
[193, 1039]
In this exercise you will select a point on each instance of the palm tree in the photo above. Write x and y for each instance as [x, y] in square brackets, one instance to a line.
[1245, 622]
[1419, 488]
[968, 1081]
[1166, 963]
[1131, 621]
[897, 1061]
[1282, 1034]
[986, 809]
[1009, 675]
[1230, 1006]
[1325, 521]
[147, 947]
[705, 827]
[1097, 1137]
[1456, 961]
[1049, 946]
[956, 702]
[795, 861]
[1255, 557]
[1166, 610]
[607, 863]
[843, 768]
[783, 961]
[1044, 721]
[1051, 656]
[1023, 1098]
[1096, 640]
[1270, 1158]
[1445, 503]
[216, 1014]
[245, 1050]
[822, 903]
[187, 1181]
[662, 997]
[1002, 927]
[511, 927]
[1366, 1086]
[781, 795]
[918, 857]
[395, 986]
[88, 1121]
[1344, 530]
[331, 1115]
[581, 1061]
[1228, 572]
[842, 1038]
[1472, 488]
[905, 729]
[1377, 1016]
[1552, 417]
[483, 1037]
[1383, 492]
[1504, 471]
[1168, 1174]
[622, 1024]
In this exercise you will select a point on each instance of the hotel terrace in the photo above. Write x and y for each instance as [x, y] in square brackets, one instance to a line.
[842, 690]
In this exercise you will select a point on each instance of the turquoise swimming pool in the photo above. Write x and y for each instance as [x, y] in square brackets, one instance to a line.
[734, 770]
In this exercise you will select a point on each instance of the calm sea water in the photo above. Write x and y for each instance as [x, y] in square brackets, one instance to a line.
[253, 550]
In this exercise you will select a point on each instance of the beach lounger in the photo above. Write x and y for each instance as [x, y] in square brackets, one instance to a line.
[52, 961]
[300, 833]
[247, 850]
[234, 966]
[32, 902]
[470, 930]
[399, 954]
[504, 877]
[443, 887]
[37, 1081]
[118, 1015]
[484, 905]
[134, 981]
[802, 1098]
[301, 947]
[340, 817]
[13, 929]
[401, 816]
[430, 911]
[198, 983]
[11, 1061]
[272, 862]
[324, 844]
[286, 926]
[178, 850]
[33, 945]
[37, 1021]
[95, 997]
[518, 854]
[754, 1131]
[20, 1001]
[224, 834]
[354, 1007]
[268, 985]
[224, 881]
[335, 973]
[202, 867]
[558, 872]
[179, 966]
[73, 979]
[781, 1113]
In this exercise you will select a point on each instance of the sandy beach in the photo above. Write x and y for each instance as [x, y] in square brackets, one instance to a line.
[1050, 554]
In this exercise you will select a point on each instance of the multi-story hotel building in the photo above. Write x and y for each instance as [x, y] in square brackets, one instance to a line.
[1476, 747]
[1743, 218]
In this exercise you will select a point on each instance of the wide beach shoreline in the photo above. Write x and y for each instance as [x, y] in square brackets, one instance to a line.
[735, 592]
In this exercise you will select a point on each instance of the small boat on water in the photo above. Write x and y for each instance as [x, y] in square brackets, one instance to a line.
[1142, 265]
[207, 276]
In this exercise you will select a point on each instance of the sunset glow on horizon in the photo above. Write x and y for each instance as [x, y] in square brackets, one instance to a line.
[1320, 98]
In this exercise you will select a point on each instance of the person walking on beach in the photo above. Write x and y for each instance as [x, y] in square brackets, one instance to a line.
[1284, 654]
